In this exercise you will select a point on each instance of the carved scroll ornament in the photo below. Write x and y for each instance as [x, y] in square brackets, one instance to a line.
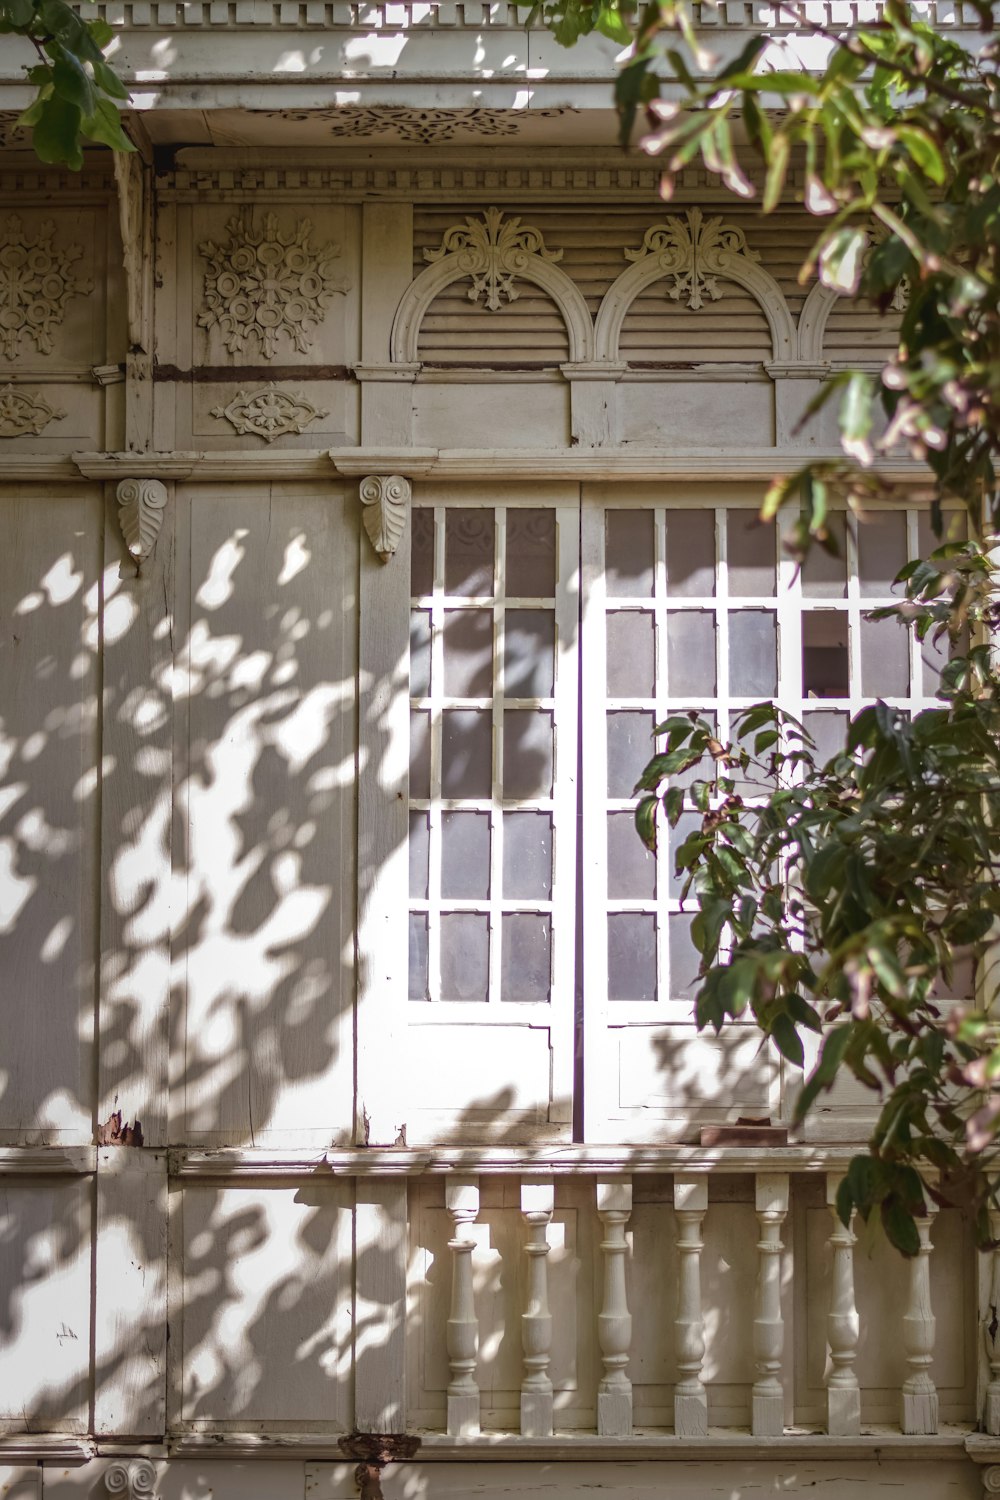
[132, 1479]
[492, 251]
[266, 282]
[384, 500]
[21, 412]
[693, 253]
[141, 505]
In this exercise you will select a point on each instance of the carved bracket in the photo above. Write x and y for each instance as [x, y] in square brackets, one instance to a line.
[991, 1481]
[133, 1479]
[385, 499]
[141, 505]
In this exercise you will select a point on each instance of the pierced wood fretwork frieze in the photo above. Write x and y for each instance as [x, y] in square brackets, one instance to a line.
[141, 503]
[492, 251]
[22, 412]
[269, 413]
[37, 279]
[268, 282]
[694, 253]
[385, 500]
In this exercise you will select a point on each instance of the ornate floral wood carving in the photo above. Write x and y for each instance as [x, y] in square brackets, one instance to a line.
[133, 1479]
[492, 251]
[141, 505]
[385, 499]
[36, 282]
[693, 252]
[268, 281]
[21, 412]
[427, 127]
[269, 413]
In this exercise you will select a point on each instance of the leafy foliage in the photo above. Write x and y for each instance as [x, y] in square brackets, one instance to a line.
[840, 902]
[78, 92]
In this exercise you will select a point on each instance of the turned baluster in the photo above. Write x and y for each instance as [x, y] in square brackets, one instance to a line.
[462, 1202]
[843, 1395]
[768, 1397]
[690, 1400]
[991, 1333]
[537, 1205]
[920, 1399]
[614, 1325]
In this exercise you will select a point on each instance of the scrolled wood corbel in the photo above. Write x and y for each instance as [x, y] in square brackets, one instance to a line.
[141, 503]
[385, 499]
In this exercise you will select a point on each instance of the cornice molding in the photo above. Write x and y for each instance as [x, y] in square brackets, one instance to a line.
[47, 1161]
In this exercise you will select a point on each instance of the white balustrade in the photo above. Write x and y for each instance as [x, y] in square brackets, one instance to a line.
[537, 1205]
[991, 1333]
[614, 1325]
[920, 1399]
[690, 1399]
[843, 1394]
[768, 1397]
[462, 1202]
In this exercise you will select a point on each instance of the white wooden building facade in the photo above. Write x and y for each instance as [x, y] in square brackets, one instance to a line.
[380, 461]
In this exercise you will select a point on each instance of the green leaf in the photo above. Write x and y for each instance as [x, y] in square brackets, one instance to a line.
[71, 82]
[56, 137]
[924, 150]
[788, 1041]
[105, 125]
[899, 1226]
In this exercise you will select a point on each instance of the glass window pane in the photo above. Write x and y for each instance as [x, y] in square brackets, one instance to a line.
[418, 985]
[420, 755]
[829, 730]
[468, 653]
[527, 856]
[955, 529]
[885, 658]
[468, 551]
[531, 554]
[823, 576]
[465, 854]
[690, 553]
[825, 658]
[420, 653]
[422, 551]
[631, 664]
[753, 653]
[691, 653]
[684, 956]
[631, 955]
[630, 749]
[687, 823]
[465, 955]
[467, 752]
[629, 553]
[750, 546]
[881, 550]
[527, 753]
[631, 866]
[529, 653]
[418, 850]
[526, 956]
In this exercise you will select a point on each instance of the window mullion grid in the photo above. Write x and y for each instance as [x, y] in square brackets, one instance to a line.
[661, 685]
[496, 799]
[789, 604]
[436, 732]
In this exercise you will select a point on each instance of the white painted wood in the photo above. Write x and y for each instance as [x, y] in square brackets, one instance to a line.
[130, 1291]
[614, 1323]
[771, 1202]
[462, 1202]
[920, 1397]
[843, 1395]
[537, 1206]
[990, 1323]
[380, 1253]
[387, 261]
[690, 1398]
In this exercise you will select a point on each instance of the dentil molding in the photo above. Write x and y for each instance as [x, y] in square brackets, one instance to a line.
[37, 279]
[141, 503]
[384, 501]
[266, 282]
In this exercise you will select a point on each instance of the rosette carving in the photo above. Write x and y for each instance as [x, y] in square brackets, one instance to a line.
[384, 500]
[694, 253]
[36, 282]
[141, 503]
